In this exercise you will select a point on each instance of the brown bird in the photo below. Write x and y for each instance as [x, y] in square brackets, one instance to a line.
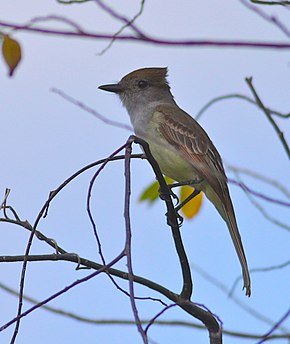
[179, 144]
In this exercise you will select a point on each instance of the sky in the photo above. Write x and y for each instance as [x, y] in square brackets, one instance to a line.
[45, 139]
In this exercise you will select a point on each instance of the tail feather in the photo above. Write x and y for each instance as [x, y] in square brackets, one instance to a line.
[226, 211]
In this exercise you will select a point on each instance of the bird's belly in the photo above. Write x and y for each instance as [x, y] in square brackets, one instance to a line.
[172, 164]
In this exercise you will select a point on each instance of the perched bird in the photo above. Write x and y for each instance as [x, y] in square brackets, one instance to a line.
[178, 143]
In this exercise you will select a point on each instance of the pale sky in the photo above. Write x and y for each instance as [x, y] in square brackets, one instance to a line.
[45, 139]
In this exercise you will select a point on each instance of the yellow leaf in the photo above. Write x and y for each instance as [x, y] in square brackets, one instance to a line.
[191, 208]
[11, 52]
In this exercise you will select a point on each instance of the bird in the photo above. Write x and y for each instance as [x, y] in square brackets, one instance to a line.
[181, 147]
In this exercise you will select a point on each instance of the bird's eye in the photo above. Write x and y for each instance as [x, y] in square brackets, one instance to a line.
[142, 83]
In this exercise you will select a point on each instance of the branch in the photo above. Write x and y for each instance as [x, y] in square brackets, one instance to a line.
[127, 24]
[267, 198]
[149, 39]
[282, 3]
[272, 19]
[171, 323]
[183, 300]
[284, 317]
[90, 110]
[268, 115]
[238, 96]
[221, 286]
[127, 248]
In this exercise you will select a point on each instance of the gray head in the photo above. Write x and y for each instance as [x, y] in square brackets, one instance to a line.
[141, 87]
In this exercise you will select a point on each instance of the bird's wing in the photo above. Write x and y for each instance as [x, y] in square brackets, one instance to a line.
[187, 136]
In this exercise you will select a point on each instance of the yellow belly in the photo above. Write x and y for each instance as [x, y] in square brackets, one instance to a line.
[172, 164]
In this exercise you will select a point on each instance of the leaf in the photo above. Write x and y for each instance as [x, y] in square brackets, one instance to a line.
[11, 51]
[191, 208]
[151, 193]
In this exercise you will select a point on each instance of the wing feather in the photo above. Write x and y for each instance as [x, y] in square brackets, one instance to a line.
[191, 140]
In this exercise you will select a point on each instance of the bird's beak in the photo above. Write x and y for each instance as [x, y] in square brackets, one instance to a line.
[115, 88]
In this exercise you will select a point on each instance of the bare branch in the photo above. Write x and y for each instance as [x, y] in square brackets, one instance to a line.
[221, 286]
[150, 40]
[127, 248]
[90, 110]
[237, 96]
[282, 3]
[272, 19]
[273, 182]
[128, 24]
[267, 198]
[277, 325]
[268, 115]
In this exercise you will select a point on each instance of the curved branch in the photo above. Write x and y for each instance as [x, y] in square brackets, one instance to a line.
[149, 39]
[268, 115]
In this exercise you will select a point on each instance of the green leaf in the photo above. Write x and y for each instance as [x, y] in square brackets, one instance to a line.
[151, 193]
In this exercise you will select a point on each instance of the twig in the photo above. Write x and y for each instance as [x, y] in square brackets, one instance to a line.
[266, 17]
[265, 269]
[127, 248]
[52, 297]
[128, 24]
[261, 209]
[220, 285]
[154, 319]
[90, 110]
[237, 96]
[268, 115]
[282, 3]
[89, 194]
[273, 182]
[277, 325]
[244, 187]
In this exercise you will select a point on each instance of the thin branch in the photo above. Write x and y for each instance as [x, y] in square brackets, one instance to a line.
[272, 19]
[171, 323]
[127, 24]
[273, 182]
[60, 19]
[154, 319]
[282, 3]
[265, 269]
[127, 248]
[54, 296]
[90, 110]
[69, 2]
[220, 285]
[244, 187]
[89, 194]
[237, 96]
[261, 209]
[277, 325]
[149, 39]
[268, 115]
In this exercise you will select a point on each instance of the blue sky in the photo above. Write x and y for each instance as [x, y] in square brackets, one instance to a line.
[45, 139]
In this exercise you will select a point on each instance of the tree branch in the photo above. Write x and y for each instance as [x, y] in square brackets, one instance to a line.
[149, 39]
[268, 115]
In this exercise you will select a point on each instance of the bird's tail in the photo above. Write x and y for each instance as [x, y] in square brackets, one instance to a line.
[226, 210]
